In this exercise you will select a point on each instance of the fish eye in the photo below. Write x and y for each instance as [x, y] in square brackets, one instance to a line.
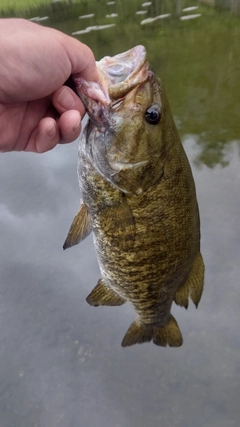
[153, 114]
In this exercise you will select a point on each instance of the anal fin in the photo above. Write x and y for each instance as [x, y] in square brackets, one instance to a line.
[80, 228]
[103, 295]
[193, 286]
[139, 332]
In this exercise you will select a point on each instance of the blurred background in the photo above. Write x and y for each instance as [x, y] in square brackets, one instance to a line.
[61, 361]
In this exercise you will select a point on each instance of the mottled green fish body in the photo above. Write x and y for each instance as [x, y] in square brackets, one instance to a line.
[139, 199]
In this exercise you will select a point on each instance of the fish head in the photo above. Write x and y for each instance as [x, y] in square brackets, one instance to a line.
[125, 134]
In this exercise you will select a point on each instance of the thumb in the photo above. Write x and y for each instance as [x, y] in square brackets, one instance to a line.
[82, 59]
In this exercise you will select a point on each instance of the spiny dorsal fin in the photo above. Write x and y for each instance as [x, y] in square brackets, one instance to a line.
[80, 228]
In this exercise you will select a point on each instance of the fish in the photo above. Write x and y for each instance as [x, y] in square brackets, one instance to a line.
[138, 199]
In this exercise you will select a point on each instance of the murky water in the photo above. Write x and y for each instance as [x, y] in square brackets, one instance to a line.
[61, 360]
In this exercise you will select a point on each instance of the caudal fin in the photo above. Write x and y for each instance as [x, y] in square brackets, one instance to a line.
[169, 334]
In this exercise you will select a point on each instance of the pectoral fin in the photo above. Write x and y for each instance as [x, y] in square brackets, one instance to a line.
[80, 228]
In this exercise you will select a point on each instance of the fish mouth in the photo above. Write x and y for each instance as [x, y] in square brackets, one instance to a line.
[124, 71]
[118, 75]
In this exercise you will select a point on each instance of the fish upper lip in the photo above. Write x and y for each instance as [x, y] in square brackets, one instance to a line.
[118, 76]
[133, 71]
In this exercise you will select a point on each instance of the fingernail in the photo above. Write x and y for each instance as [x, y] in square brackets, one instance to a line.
[77, 127]
[52, 132]
[66, 99]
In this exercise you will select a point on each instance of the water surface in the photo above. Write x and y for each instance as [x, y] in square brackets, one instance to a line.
[61, 360]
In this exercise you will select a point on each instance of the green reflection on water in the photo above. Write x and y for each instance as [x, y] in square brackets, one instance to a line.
[198, 61]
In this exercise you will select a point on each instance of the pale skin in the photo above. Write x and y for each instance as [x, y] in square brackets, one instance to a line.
[36, 110]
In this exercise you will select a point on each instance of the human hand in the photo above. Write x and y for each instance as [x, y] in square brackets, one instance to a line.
[36, 110]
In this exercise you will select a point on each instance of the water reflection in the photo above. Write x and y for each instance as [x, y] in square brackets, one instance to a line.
[112, 15]
[190, 8]
[141, 12]
[39, 18]
[65, 356]
[187, 17]
[150, 20]
[93, 28]
[90, 15]
[61, 360]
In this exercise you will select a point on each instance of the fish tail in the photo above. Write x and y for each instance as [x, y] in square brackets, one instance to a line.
[139, 332]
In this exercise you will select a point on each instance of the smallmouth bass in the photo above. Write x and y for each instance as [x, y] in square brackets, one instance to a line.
[138, 199]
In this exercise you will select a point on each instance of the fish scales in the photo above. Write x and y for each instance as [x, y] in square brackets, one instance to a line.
[151, 246]
[139, 198]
